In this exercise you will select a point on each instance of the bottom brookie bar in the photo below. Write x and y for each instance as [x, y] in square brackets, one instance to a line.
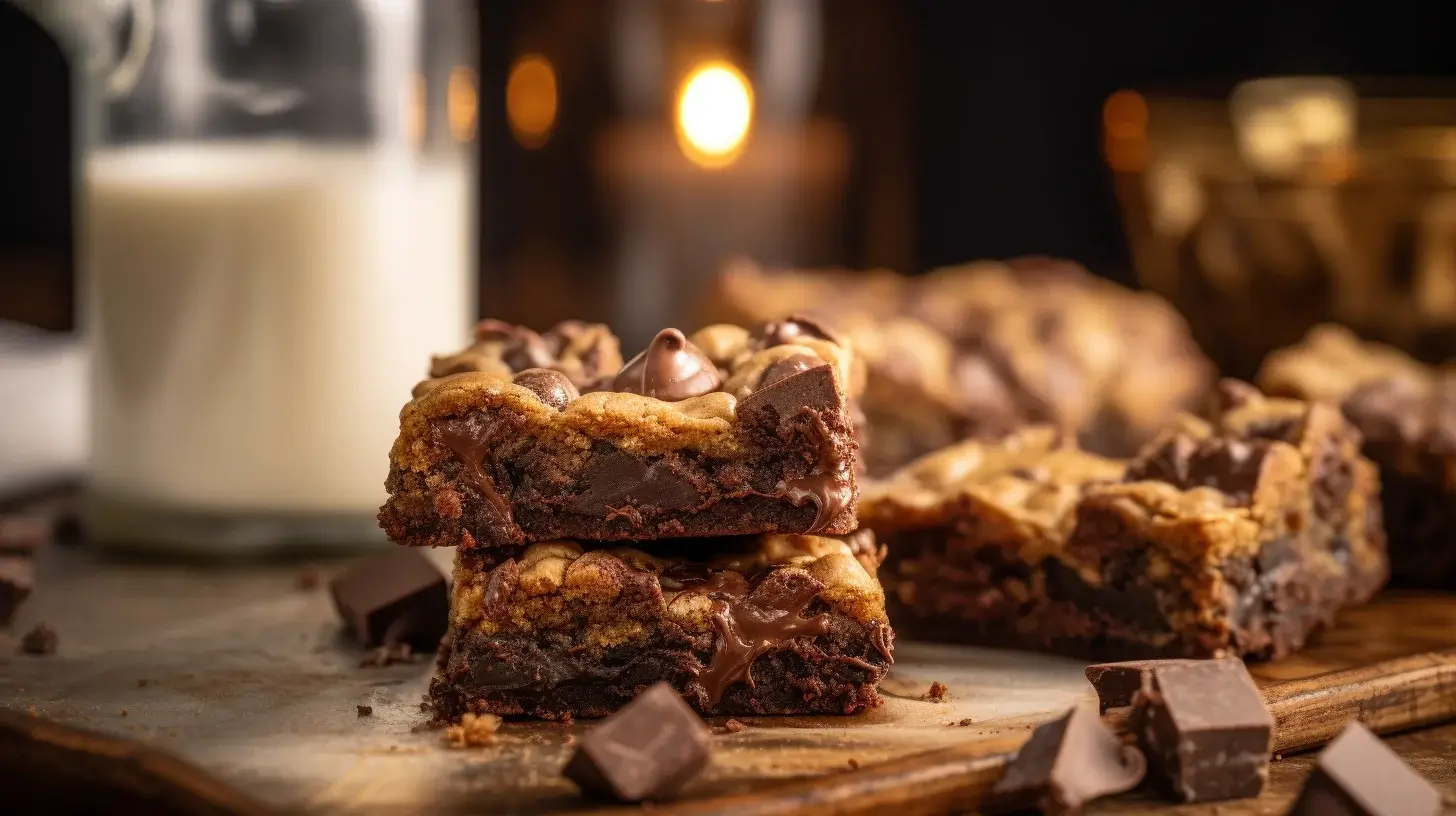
[779, 624]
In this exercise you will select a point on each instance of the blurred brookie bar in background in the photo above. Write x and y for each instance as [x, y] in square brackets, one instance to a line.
[985, 348]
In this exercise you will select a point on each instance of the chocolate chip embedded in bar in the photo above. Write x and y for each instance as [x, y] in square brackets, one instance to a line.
[1205, 730]
[648, 750]
[17, 580]
[726, 432]
[1357, 774]
[1067, 763]
[398, 597]
[1117, 683]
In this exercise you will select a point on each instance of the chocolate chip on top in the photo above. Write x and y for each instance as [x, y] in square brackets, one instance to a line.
[790, 330]
[670, 369]
[552, 387]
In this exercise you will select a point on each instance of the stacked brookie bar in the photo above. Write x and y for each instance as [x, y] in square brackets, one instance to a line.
[1406, 411]
[687, 517]
[986, 348]
[1238, 535]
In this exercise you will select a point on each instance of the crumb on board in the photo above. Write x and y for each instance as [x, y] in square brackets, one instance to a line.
[937, 691]
[124, 712]
[364, 710]
[961, 723]
[143, 682]
[308, 580]
[734, 726]
[853, 764]
[473, 730]
[42, 640]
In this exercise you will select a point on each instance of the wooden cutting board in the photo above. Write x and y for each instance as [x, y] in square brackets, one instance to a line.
[246, 676]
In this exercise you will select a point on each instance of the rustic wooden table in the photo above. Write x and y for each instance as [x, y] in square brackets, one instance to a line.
[242, 673]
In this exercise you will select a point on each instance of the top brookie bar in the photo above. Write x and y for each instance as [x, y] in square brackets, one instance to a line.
[985, 348]
[1406, 411]
[525, 437]
[1239, 535]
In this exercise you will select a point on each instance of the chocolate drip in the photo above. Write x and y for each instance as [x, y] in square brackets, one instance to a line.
[883, 639]
[670, 369]
[748, 628]
[830, 488]
[470, 445]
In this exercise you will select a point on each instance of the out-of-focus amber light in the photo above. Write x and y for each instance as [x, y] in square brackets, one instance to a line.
[531, 100]
[414, 122]
[714, 114]
[1125, 115]
[462, 104]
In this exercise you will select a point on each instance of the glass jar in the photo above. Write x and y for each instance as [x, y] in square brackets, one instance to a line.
[275, 232]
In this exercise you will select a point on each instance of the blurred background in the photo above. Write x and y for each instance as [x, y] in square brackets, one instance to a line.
[598, 160]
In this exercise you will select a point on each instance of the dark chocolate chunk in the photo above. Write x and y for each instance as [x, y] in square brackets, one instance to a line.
[364, 710]
[398, 597]
[41, 640]
[787, 367]
[17, 580]
[648, 750]
[1233, 466]
[551, 387]
[1067, 763]
[1117, 683]
[670, 369]
[615, 478]
[1357, 774]
[1205, 730]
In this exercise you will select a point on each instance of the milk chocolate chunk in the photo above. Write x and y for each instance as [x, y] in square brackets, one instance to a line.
[670, 369]
[1205, 730]
[17, 581]
[397, 597]
[1067, 763]
[790, 330]
[648, 750]
[1357, 774]
[1117, 683]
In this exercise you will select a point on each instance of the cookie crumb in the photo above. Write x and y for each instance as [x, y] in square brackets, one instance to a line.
[734, 726]
[388, 655]
[853, 764]
[143, 682]
[307, 581]
[42, 640]
[364, 711]
[473, 731]
[967, 721]
[937, 692]
[124, 712]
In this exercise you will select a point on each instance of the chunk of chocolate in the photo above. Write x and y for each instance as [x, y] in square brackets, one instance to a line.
[1067, 763]
[17, 580]
[1205, 730]
[1357, 774]
[40, 640]
[1117, 683]
[670, 369]
[398, 597]
[552, 387]
[648, 750]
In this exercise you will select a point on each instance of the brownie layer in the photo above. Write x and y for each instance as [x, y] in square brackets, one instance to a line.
[1241, 536]
[775, 625]
[495, 461]
[1406, 412]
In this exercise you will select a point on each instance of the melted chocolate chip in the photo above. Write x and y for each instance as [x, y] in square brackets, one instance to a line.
[615, 479]
[552, 387]
[670, 369]
[521, 349]
[787, 367]
[471, 442]
[791, 329]
[749, 627]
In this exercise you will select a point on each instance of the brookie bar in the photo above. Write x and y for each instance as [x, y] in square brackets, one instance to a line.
[1406, 411]
[525, 438]
[1239, 535]
[779, 624]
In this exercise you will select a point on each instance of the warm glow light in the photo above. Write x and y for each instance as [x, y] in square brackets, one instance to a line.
[1125, 115]
[531, 100]
[414, 122]
[462, 104]
[714, 113]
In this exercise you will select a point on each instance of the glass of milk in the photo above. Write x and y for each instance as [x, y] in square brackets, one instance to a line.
[276, 231]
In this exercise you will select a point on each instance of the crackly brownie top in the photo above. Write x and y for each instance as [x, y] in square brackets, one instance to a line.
[1206, 482]
[1024, 341]
[680, 392]
[614, 593]
[1395, 400]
